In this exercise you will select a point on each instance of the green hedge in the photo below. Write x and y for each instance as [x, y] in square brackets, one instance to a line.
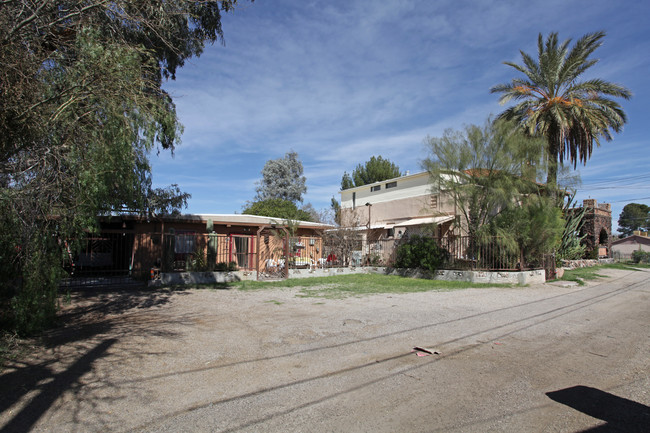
[640, 256]
[421, 253]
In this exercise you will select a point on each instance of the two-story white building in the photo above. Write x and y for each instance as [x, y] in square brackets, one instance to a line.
[387, 209]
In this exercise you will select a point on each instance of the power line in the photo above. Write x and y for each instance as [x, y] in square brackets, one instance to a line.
[630, 199]
[618, 180]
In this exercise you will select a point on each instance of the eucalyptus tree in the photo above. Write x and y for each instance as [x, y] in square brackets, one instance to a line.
[282, 178]
[552, 101]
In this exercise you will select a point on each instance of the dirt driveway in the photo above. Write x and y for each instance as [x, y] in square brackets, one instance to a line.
[540, 359]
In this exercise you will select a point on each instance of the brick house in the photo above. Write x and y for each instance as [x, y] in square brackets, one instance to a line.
[133, 245]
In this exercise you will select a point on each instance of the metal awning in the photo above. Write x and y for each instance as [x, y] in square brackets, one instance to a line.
[406, 223]
[423, 221]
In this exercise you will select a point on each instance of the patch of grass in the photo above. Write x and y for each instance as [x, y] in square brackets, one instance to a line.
[273, 301]
[628, 266]
[579, 275]
[183, 287]
[343, 286]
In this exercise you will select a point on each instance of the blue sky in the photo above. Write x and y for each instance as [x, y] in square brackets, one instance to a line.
[339, 81]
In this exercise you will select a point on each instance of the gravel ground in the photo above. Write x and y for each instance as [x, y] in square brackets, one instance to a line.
[542, 359]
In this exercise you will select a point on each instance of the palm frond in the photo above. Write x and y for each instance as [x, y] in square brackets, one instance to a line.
[553, 103]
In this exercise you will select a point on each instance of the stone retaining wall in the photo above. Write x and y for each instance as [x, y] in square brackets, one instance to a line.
[488, 277]
[189, 278]
[586, 263]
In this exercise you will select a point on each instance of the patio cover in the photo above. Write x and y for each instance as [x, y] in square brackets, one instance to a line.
[418, 221]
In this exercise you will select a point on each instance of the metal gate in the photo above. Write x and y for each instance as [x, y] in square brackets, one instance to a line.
[104, 260]
[272, 255]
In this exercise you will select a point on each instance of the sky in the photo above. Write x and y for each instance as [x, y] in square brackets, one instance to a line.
[339, 81]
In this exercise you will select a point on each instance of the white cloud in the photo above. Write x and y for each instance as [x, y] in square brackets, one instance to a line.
[340, 81]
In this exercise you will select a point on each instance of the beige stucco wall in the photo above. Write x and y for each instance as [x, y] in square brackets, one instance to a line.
[413, 197]
[626, 250]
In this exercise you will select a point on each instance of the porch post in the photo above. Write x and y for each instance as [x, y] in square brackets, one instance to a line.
[257, 260]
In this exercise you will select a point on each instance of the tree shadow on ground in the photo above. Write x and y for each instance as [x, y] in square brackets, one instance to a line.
[27, 416]
[77, 344]
[620, 414]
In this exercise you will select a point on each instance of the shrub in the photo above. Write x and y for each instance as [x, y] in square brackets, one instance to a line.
[226, 267]
[196, 262]
[373, 259]
[421, 253]
[640, 256]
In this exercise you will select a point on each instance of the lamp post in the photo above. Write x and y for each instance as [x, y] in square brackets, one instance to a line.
[369, 208]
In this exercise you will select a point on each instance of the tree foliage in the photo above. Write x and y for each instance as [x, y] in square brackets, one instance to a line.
[554, 104]
[81, 108]
[335, 206]
[529, 228]
[484, 169]
[283, 179]
[374, 170]
[278, 208]
[635, 216]
[165, 201]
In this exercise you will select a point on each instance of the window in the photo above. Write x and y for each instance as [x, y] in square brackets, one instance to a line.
[434, 202]
[184, 242]
[375, 188]
[354, 200]
[391, 185]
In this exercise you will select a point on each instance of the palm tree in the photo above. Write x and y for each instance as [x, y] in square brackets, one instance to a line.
[570, 114]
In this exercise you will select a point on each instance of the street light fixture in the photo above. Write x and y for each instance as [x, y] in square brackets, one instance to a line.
[369, 207]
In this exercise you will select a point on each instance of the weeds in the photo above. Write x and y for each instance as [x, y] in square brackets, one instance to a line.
[11, 347]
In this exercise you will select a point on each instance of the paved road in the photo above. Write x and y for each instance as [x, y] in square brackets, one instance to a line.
[540, 359]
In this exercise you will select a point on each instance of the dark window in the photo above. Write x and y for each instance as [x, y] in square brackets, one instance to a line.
[354, 200]
[391, 185]
[184, 242]
[602, 239]
[375, 188]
